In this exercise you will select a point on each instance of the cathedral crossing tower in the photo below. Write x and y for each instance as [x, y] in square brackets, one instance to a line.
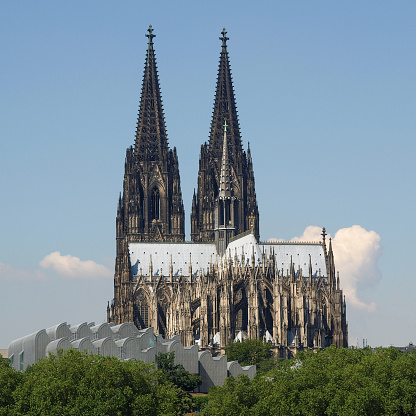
[225, 204]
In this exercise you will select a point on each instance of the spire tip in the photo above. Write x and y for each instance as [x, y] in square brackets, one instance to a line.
[224, 38]
[150, 35]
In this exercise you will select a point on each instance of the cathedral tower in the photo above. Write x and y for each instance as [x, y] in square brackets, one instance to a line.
[240, 164]
[150, 207]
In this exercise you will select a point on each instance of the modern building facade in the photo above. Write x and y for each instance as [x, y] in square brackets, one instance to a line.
[226, 284]
[124, 342]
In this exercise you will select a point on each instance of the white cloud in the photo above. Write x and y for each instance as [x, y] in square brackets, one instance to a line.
[311, 233]
[74, 267]
[356, 253]
[10, 273]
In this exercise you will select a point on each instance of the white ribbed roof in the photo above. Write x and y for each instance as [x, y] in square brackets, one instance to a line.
[284, 252]
[202, 255]
[300, 256]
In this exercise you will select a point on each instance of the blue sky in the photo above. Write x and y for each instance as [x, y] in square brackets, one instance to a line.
[326, 93]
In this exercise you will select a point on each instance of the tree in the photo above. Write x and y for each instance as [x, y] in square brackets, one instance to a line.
[177, 374]
[9, 380]
[75, 383]
[333, 382]
[179, 377]
[251, 352]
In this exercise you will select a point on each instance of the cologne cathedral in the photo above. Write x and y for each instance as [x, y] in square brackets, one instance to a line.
[225, 284]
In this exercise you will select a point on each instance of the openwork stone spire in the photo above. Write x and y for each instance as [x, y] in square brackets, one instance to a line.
[238, 174]
[225, 108]
[151, 140]
[151, 207]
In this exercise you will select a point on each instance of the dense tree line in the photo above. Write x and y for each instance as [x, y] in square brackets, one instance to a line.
[336, 381]
[252, 352]
[75, 383]
[179, 377]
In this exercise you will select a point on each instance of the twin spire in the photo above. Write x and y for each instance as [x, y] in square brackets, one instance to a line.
[221, 157]
[225, 108]
[151, 139]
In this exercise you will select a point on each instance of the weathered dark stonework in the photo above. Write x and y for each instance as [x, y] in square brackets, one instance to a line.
[151, 207]
[241, 166]
[226, 284]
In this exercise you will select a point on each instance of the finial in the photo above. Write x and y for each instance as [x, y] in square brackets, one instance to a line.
[150, 35]
[225, 125]
[324, 234]
[224, 38]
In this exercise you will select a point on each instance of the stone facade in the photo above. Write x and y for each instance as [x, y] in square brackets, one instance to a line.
[239, 170]
[225, 284]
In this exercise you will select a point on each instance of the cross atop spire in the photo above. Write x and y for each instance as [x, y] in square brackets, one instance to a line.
[225, 125]
[150, 35]
[224, 38]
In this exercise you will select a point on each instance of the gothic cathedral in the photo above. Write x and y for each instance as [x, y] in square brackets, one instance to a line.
[225, 284]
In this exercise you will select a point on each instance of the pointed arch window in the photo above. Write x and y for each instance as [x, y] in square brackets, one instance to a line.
[236, 223]
[227, 213]
[155, 204]
[162, 306]
[144, 314]
[221, 220]
[241, 310]
[141, 311]
[269, 312]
